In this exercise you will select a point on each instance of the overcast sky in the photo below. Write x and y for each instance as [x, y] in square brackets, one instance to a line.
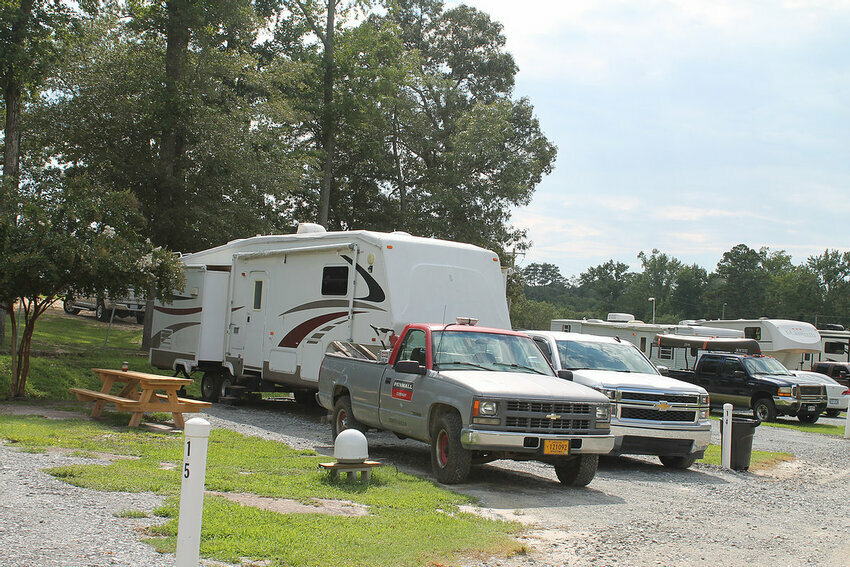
[684, 125]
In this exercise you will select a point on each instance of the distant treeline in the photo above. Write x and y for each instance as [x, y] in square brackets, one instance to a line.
[746, 283]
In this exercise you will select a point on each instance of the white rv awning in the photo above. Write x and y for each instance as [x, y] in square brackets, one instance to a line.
[750, 346]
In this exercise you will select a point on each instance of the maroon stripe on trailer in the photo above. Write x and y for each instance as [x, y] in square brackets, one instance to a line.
[294, 337]
[178, 311]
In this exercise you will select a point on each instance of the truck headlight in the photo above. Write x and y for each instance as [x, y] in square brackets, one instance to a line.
[484, 408]
[603, 413]
[611, 393]
[704, 399]
[786, 392]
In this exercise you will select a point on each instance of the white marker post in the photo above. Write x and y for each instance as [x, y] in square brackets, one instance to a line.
[726, 447]
[194, 472]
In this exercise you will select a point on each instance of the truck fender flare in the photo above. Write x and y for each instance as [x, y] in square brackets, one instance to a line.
[437, 409]
[758, 395]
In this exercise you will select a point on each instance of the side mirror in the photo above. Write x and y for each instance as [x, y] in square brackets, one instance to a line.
[565, 374]
[663, 370]
[409, 367]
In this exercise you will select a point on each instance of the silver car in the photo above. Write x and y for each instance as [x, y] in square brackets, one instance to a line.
[103, 306]
[837, 394]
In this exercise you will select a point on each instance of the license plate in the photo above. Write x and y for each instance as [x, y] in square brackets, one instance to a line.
[556, 447]
[811, 408]
[833, 402]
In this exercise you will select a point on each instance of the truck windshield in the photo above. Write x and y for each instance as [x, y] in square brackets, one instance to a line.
[619, 357]
[765, 366]
[487, 351]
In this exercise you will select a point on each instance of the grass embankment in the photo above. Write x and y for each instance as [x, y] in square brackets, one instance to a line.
[409, 522]
[64, 350]
[759, 460]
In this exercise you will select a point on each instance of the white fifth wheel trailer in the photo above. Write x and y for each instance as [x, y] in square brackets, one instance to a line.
[259, 314]
[835, 345]
[793, 343]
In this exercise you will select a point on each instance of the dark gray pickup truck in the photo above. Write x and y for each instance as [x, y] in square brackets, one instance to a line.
[755, 382]
[475, 395]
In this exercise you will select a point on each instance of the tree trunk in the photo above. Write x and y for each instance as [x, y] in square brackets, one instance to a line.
[328, 134]
[170, 198]
[14, 350]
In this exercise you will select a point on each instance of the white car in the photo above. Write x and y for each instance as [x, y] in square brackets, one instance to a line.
[838, 395]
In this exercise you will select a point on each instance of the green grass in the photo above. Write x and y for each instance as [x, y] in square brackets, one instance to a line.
[759, 460]
[411, 521]
[64, 350]
[794, 423]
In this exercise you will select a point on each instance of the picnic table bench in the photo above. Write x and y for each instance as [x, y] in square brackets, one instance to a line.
[140, 392]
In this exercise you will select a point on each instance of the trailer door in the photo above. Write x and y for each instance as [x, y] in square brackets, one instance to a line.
[247, 323]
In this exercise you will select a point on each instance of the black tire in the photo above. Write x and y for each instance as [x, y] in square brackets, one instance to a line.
[224, 384]
[68, 306]
[808, 417]
[449, 460]
[764, 409]
[210, 387]
[101, 312]
[140, 317]
[578, 470]
[343, 417]
[678, 462]
[833, 412]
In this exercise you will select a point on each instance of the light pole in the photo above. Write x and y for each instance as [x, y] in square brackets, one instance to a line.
[652, 299]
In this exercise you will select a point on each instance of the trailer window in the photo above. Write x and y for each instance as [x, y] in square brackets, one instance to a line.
[335, 280]
[752, 333]
[643, 344]
[833, 348]
[665, 353]
[258, 295]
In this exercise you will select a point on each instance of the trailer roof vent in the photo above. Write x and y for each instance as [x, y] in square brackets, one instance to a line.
[620, 317]
[350, 446]
[307, 227]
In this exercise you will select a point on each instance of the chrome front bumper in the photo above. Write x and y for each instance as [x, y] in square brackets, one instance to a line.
[699, 436]
[477, 440]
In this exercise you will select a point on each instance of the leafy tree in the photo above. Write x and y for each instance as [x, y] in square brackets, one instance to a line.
[70, 234]
[607, 284]
[832, 269]
[537, 275]
[743, 282]
[687, 299]
[463, 152]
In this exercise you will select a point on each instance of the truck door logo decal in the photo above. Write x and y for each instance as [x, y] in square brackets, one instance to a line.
[376, 294]
[402, 390]
[294, 337]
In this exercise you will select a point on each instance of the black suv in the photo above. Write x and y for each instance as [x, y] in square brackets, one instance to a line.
[838, 371]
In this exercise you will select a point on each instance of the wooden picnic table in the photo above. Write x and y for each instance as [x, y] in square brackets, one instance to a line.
[140, 392]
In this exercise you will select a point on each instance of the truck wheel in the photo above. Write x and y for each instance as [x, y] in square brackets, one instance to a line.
[449, 460]
[344, 417]
[764, 409]
[578, 470]
[833, 412]
[679, 462]
[224, 385]
[209, 387]
[101, 312]
[68, 306]
[808, 417]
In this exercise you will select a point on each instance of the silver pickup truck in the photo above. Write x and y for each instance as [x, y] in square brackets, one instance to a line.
[475, 395]
[651, 414]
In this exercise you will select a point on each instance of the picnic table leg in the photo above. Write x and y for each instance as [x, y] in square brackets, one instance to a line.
[97, 409]
[136, 420]
[174, 400]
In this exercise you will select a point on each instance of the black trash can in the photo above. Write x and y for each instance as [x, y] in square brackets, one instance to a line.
[743, 429]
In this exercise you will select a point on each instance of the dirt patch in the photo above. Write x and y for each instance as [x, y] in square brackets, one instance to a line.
[287, 506]
[44, 411]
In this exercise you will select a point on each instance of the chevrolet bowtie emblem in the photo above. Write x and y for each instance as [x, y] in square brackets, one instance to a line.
[662, 406]
[553, 416]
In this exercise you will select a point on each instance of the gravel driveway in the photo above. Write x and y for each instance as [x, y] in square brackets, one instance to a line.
[635, 512]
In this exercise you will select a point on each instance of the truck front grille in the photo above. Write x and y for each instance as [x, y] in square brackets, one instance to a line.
[548, 417]
[657, 415]
[812, 393]
[657, 397]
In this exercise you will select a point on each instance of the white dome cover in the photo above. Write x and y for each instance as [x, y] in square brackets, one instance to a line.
[350, 446]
